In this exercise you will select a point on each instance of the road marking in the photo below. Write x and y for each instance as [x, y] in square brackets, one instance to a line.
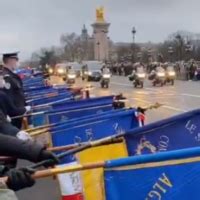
[155, 91]
[164, 106]
[122, 84]
[144, 101]
[151, 89]
[173, 108]
[191, 95]
[142, 92]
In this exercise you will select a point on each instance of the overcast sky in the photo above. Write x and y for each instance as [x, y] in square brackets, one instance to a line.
[28, 25]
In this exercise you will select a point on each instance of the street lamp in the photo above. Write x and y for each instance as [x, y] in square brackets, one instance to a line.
[98, 46]
[170, 51]
[133, 33]
[188, 49]
[180, 44]
[139, 56]
[149, 52]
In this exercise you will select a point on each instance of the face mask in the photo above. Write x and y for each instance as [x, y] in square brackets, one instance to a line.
[2, 82]
[17, 66]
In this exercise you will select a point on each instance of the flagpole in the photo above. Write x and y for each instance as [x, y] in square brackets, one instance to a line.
[79, 149]
[61, 170]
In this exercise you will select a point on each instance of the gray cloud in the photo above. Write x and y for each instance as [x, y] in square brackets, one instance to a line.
[30, 24]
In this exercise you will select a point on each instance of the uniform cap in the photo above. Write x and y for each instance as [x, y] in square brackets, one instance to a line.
[11, 55]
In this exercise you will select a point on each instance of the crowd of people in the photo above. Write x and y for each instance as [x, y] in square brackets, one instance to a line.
[15, 142]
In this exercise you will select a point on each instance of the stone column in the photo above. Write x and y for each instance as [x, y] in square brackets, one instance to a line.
[101, 40]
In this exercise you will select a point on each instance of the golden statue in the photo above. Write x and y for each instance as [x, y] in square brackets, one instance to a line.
[100, 14]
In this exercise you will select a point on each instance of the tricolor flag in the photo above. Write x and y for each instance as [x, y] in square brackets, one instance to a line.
[70, 184]
[93, 184]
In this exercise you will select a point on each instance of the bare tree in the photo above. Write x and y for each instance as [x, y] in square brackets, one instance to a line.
[72, 46]
[46, 56]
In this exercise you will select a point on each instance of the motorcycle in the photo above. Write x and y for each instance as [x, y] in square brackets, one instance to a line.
[138, 78]
[71, 77]
[105, 80]
[158, 77]
[170, 76]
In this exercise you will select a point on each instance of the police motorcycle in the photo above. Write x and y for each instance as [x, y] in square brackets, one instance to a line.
[71, 76]
[170, 75]
[105, 79]
[157, 76]
[138, 77]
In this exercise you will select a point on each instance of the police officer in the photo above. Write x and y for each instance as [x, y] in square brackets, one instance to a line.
[14, 85]
[8, 109]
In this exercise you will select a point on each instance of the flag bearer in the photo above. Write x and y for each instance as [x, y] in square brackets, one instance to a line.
[14, 85]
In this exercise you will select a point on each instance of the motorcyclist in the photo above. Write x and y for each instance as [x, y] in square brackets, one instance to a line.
[137, 69]
[105, 70]
[156, 68]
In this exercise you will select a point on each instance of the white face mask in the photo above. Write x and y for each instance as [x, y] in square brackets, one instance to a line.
[2, 82]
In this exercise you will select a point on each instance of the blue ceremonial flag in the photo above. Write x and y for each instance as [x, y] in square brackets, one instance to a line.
[47, 100]
[36, 88]
[76, 109]
[81, 120]
[179, 132]
[85, 103]
[57, 116]
[71, 109]
[172, 175]
[95, 129]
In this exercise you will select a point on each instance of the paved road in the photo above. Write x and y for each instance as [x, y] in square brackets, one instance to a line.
[182, 97]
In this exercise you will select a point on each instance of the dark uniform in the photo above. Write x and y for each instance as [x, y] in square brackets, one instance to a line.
[7, 106]
[8, 109]
[27, 150]
[14, 91]
[20, 178]
[6, 127]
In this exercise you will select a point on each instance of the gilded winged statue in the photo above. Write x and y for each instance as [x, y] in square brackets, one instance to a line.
[100, 14]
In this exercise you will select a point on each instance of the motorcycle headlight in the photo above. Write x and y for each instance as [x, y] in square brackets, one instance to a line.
[161, 74]
[61, 71]
[51, 71]
[89, 73]
[106, 76]
[72, 76]
[141, 75]
[172, 73]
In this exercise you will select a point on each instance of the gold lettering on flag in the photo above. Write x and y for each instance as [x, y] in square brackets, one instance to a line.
[162, 185]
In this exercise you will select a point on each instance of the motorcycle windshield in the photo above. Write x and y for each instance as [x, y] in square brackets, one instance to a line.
[160, 70]
[170, 69]
[140, 70]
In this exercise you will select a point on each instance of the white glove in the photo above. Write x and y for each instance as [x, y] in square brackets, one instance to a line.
[28, 108]
[8, 118]
[22, 135]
